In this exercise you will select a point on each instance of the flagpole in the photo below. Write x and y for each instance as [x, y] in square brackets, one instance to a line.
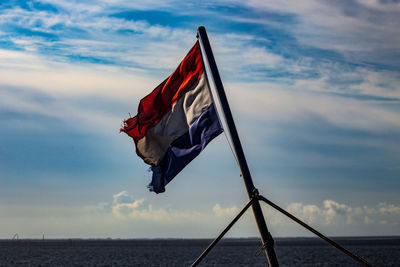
[267, 240]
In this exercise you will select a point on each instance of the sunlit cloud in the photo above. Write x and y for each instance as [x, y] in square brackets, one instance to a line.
[219, 211]
[125, 211]
[334, 213]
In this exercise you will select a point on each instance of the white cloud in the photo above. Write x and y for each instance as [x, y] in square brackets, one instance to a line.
[101, 40]
[124, 205]
[271, 101]
[228, 212]
[310, 213]
[376, 83]
[338, 214]
[387, 209]
[124, 216]
[24, 76]
[380, 5]
[89, 6]
[354, 28]
[237, 53]
[144, 47]
[122, 198]
[331, 213]
[71, 80]
[65, 83]
[333, 209]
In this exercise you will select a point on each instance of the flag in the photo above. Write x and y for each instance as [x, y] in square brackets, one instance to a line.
[175, 122]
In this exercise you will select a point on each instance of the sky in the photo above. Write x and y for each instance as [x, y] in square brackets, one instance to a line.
[314, 88]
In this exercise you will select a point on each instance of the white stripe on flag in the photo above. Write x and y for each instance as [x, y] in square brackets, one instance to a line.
[153, 146]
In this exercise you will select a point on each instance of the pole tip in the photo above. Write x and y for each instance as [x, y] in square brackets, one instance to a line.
[201, 28]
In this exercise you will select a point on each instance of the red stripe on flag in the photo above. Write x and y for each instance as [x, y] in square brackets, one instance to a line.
[155, 105]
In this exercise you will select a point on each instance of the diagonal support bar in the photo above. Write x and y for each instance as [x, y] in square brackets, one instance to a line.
[216, 240]
[330, 241]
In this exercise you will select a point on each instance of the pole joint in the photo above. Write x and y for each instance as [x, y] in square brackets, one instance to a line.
[255, 194]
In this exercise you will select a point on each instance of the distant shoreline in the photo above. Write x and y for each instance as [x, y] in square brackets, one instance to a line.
[206, 238]
[280, 241]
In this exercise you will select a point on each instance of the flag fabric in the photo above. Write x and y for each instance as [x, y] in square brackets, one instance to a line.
[175, 122]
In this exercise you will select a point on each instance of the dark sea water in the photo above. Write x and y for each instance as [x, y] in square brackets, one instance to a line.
[378, 251]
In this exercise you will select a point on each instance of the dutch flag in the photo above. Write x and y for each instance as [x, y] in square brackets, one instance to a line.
[175, 121]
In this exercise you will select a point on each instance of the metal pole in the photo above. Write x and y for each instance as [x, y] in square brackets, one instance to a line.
[268, 241]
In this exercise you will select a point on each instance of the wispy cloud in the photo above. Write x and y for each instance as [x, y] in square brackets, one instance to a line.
[63, 84]
[277, 102]
[353, 28]
[86, 36]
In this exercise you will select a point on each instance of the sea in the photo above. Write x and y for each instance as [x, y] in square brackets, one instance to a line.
[378, 251]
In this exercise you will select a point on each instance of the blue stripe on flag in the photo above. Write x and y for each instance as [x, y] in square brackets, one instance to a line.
[184, 149]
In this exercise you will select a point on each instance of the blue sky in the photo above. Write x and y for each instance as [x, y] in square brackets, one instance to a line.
[313, 87]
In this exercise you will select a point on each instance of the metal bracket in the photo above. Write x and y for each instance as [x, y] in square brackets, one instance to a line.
[258, 252]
